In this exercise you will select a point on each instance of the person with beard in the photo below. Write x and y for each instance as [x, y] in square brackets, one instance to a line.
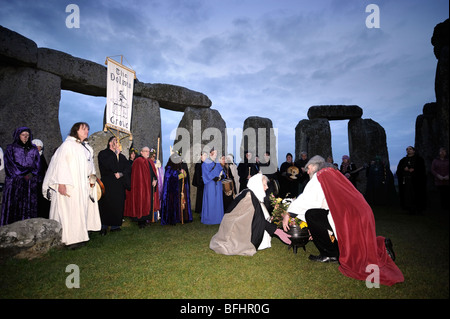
[245, 227]
[115, 171]
[70, 185]
[20, 193]
[175, 199]
[342, 225]
[139, 200]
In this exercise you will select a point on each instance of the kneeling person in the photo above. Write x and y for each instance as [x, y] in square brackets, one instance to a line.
[245, 227]
[342, 225]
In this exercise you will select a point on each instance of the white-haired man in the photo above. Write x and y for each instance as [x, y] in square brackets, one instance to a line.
[342, 225]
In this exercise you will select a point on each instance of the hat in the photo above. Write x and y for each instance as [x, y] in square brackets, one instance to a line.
[37, 142]
[345, 157]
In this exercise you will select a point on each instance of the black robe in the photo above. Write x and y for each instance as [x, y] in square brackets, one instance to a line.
[244, 168]
[288, 186]
[111, 205]
[412, 186]
[197, 181]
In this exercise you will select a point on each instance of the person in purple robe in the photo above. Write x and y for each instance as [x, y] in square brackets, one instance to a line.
[175, 199]
[20, 195]
[212, 205]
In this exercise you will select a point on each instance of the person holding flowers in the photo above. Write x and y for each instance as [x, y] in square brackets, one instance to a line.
[342, 225]
[246, 226]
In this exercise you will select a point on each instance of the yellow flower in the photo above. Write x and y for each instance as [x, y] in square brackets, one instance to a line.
[303, 224]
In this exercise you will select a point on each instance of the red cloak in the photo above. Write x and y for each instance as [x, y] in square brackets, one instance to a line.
[138, 201]
[359, 246]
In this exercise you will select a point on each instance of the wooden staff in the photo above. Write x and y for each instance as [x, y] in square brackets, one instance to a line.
[157, 150]
[182, 201]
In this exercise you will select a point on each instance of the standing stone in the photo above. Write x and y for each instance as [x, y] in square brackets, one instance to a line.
[428, 137]
[199, 129]
[335, 112]
[258, 137]
[314, 137]
[366, 139]
[146, 123]
[29, 97]
[440, 41]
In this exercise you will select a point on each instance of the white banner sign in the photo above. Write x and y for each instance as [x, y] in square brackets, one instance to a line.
[119, 96]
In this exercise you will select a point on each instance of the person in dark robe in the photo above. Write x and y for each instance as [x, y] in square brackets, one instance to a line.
[115, 172]
[175, 200]
[156, 194]
[349, 170]
[303, 176]
[228, 184]
[197, 181]
[270, 170]
[411, 176]
[342, 225]
[439, 170]
[43, 203]
[245, 227]
[20, 193]
[212, 206]
[139, 199]
[246, 169]
[133, 153]
[288, 181]
[380, 188]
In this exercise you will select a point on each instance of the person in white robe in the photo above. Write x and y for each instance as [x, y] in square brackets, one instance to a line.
[70, 186]
[246, 227]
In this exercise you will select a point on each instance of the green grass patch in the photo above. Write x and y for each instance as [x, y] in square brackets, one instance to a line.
[175, 262]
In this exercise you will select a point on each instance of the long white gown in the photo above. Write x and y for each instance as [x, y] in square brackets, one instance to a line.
[71, 165]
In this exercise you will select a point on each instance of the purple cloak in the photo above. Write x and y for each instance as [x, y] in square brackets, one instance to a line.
[20, 194]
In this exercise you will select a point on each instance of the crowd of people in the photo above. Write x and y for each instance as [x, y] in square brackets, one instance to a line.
[69, 190]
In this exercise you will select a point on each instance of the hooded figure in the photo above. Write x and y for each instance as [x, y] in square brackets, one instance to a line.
[175, 199]
[20, 194]
[245, 226]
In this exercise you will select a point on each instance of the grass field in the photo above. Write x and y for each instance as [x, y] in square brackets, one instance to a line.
[175, 262]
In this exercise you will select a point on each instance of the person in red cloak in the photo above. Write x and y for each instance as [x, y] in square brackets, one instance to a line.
[342, 225]
[140, 199]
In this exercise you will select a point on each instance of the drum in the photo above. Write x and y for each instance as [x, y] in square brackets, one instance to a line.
[100, 189]
[227, 186]
[293, 170]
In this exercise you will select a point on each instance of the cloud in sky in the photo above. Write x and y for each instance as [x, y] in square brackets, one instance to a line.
[256, 58]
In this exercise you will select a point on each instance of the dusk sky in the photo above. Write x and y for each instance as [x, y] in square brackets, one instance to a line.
[263, 58]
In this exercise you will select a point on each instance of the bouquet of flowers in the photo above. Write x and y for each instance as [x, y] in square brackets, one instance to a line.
[280, 207]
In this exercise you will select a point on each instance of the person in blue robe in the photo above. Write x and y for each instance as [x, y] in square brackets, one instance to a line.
[212, 205]
[175, 199]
